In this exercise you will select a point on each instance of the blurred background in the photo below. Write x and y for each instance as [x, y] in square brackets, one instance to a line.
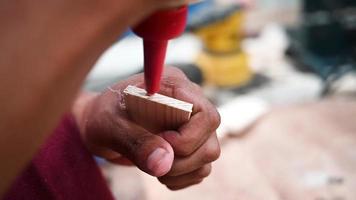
[282, 74]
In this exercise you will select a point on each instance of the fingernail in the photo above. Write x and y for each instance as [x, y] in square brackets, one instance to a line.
[159, 162]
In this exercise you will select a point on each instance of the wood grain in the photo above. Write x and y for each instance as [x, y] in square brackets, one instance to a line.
[156, 112]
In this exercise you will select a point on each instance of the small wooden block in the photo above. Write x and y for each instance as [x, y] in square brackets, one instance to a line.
[157, 112]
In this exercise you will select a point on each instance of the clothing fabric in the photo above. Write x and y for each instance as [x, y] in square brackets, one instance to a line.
[63, 169]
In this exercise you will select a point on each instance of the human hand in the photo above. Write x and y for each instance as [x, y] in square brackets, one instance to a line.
[179, 158]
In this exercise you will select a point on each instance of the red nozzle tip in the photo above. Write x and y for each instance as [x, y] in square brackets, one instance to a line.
[155, 52]
[156, 30]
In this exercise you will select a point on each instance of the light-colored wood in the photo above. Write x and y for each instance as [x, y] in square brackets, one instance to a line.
[156, 112]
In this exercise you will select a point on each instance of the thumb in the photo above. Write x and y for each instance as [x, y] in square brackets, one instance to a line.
[151, 153]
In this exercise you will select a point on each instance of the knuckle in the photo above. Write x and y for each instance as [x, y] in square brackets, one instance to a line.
[204, 172]
[185, 146]
[136, 147]
[135, 144]
[185, 150]
[214, 119]
[212, 153]
[162, 180]
[176, 72]
[174, 188]
[195, 182]
[197, 88]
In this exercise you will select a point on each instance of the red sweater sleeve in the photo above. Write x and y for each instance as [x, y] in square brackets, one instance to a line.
[62, 169]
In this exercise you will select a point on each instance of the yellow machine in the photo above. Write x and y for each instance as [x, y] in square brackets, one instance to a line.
[222, 61]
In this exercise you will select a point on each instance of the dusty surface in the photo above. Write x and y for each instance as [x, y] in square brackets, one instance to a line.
[299, 152]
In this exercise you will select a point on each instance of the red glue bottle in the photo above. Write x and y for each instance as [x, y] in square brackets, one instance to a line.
[155, 31]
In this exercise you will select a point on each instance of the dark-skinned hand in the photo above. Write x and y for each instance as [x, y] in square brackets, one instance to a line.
[179, 158]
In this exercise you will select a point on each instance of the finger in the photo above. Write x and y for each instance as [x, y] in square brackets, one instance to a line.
[175, 83]
[170, 75]
[205, 118]
[186, 179]
[170, 71]
[207, 153]
[174, 188]
[192, 134]
[149, 152]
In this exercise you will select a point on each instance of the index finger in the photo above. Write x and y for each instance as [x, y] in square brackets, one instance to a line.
[194, 133]
[204, 121]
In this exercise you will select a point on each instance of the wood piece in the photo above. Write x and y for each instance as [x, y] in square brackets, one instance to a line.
[157, 112]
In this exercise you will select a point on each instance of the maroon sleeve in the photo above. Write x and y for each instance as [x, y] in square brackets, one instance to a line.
[62, 169]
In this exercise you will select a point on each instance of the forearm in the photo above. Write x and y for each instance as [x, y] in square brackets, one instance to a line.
[44, 58]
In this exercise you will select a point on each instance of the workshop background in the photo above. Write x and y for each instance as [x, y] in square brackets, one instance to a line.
[282, 74]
